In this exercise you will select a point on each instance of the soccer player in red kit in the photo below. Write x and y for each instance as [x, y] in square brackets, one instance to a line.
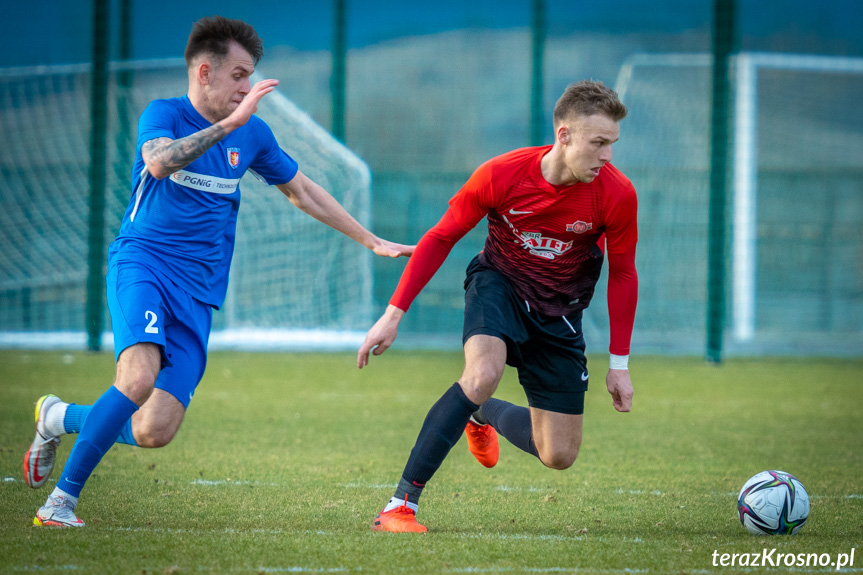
[552, 213]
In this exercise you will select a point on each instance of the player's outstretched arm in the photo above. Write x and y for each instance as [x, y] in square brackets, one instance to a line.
[318, 203]
[381, 336]
[431, 251]
[620, 387]
[622, 301]
[164, 156]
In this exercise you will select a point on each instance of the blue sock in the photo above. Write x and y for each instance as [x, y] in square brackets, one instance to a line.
[442, 428]
[126, 435]
[75, 417]
[512, 422]
[77, 414]
[107, 417]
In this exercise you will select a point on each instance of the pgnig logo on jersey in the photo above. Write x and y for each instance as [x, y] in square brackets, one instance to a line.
[579, 227]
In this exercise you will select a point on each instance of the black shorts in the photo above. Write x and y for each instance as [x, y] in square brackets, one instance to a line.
[548, 352]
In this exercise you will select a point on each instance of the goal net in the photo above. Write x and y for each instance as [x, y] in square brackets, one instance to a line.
[795, 201]
[295, 283]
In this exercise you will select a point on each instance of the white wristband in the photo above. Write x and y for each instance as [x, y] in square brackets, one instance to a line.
[618, 361]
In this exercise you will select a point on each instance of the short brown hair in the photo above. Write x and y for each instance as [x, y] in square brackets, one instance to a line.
[587, 98]
[214, 34]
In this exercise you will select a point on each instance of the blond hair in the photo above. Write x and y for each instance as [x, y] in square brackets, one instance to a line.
[587, 98]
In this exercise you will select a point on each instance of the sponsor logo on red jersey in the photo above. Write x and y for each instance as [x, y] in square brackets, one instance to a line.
[545, 247]
[538, 244]
[579, 227]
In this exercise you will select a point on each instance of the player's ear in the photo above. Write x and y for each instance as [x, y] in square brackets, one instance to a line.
[205, 71]
[563, 134]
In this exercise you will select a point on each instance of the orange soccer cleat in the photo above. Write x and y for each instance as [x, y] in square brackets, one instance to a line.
[482, 442]
[402, 519]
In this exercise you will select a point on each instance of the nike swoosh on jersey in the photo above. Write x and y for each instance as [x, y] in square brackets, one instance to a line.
[516, 212]
[584, 376]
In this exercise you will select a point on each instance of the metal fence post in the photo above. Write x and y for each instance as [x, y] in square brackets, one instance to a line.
[537, 118]
[337, 81]
[723, 45]
[98, 158]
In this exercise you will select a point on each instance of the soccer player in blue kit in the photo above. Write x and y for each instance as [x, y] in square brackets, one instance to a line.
[168, 267]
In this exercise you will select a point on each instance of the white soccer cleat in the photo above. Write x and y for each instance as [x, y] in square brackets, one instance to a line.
[58, 511]
[39, 460]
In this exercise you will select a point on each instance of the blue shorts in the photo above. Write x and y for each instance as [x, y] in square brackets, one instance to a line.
[146, 306]
[547, 351]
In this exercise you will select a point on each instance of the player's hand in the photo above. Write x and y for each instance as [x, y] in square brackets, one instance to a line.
[381, 336]
[249, 105]
[392, 250]
[620, 387]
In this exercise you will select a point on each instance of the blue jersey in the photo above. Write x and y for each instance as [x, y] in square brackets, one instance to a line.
[184, 225]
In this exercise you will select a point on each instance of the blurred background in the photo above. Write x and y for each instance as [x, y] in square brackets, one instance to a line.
[744, 140]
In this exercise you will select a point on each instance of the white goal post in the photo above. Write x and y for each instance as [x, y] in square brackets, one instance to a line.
[746, 67]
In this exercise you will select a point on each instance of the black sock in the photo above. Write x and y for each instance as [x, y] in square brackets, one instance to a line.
[477, 417]
[442, 428]
[512, 422]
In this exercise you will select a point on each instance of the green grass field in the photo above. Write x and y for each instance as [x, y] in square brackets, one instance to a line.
[284, 460]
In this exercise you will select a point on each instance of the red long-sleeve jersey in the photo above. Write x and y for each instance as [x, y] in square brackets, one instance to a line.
[546, 240]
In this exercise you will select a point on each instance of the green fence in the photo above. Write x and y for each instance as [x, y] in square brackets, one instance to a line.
[423, 110]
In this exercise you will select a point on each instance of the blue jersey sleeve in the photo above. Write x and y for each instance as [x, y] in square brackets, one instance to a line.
[272, 163]
[159, 120]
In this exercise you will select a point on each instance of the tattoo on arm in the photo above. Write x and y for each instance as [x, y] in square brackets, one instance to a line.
[173, 155]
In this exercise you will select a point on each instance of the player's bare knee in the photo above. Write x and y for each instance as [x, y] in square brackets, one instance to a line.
[151, 442]
[138, 387]
[485, 375]
[479, 386]
[151, 437]
[475, 392]
[559, 459]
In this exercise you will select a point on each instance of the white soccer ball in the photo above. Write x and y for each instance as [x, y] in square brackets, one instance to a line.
[773, 503]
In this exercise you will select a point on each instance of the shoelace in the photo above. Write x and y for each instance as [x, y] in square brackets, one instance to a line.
[60, 501]
[402, 509]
